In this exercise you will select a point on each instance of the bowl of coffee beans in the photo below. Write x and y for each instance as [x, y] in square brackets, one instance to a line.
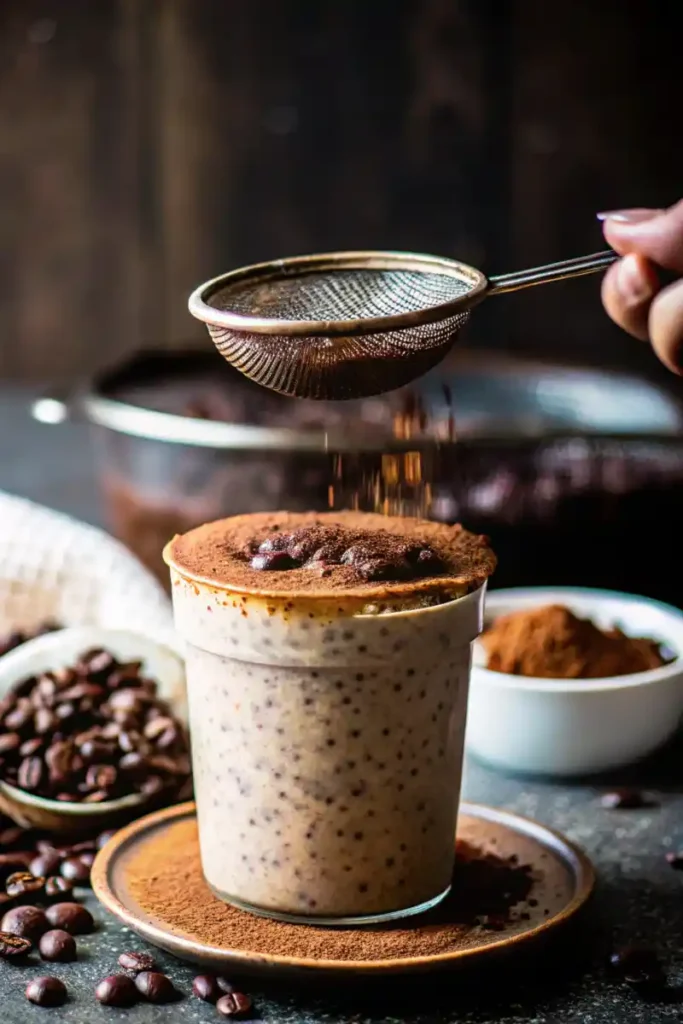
[92, 729]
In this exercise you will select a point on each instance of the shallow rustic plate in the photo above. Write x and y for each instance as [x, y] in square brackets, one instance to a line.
[563, 879]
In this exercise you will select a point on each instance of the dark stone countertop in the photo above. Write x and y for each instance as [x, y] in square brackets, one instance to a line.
[639, 897]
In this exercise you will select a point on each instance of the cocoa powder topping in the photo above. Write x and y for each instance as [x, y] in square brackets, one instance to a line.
[356, 554]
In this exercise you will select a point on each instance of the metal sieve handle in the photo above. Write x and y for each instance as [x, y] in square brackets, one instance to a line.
[551, 272]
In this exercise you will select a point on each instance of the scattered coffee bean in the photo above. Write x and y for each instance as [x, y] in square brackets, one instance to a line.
[23, 885]
[46, 991]
[75, 870]
[625, 800]
[675, 860]
[72, 917]
[45, 864]
[137, 962]
[13, 945]
[57, 946]
[234, 1004]
[155, 987]
[206, 987]
[637, 965]
[117, 990]
[28, 922]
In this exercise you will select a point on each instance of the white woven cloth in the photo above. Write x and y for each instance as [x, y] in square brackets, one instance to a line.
[54, 567]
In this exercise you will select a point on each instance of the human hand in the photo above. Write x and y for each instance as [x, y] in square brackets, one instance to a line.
[631, 292]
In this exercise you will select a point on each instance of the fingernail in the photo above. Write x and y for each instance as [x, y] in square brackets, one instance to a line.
[633, 285]
[634, 216]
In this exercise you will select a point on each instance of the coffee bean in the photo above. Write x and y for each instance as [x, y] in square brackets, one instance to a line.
[30, 774]
[97, 663]
[28, 922]
[75, 870]
[46, 991]
[117, 990]
[31, 747]
[625, 800]
[44, 721]
[225, 985]
[157, 726]
[19, 718]
[57, 946]
[637, 965]
[675, 860]
[57, 887]
[45, 864]
[72, 917]
[155, 987]
[153, 784]
[273, 561]
[205, 986]
[234, 1004]
[101, 776]
[104, 837]
[13, 945]
[22, 884]
[136, 961]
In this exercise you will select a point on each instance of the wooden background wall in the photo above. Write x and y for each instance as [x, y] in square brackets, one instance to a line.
[147, 144]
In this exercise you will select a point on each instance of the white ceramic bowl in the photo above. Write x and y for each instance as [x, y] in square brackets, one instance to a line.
[570, 727]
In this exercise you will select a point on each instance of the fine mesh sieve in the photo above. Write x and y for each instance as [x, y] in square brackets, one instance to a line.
[352, 324]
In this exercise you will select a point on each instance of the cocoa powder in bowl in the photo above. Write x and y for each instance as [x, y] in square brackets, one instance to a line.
[551, 642]
[490, 893]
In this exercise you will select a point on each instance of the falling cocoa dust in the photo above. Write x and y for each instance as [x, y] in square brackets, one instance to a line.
[400, 482]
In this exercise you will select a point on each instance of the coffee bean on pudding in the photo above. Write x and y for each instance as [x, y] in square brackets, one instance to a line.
[136, 961]
[23, 885]
[72, 917]
[117, 990]
[57, 946]
[206, 987]
[14, 945]
[155, 987]
[46, 991]
[28, 922]
[75, 870]
[45, 864]
[625, 800]
[234, 1004]
[57, 887]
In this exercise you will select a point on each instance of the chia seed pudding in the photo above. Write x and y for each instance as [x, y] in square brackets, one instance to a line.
[328, 660]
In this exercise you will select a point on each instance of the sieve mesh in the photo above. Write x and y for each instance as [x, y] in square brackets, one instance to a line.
[342, 294]
[340, 367]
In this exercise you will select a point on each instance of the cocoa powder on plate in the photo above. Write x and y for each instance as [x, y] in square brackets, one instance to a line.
[552, 643]
[164, 878]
